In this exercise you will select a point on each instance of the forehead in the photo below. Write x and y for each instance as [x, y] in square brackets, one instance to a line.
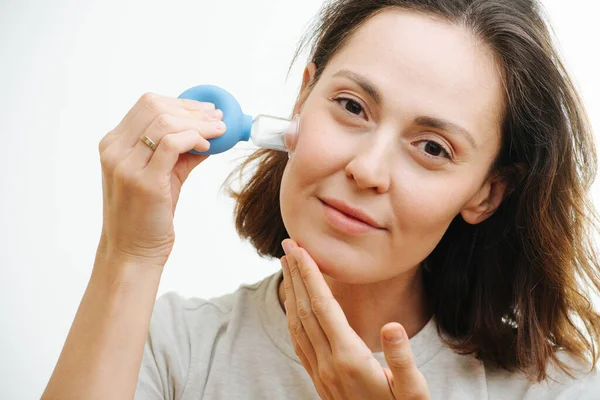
[422, 64]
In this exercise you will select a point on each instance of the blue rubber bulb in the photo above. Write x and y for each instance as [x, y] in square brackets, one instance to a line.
[239, 125]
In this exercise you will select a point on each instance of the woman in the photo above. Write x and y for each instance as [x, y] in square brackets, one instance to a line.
[436, 204]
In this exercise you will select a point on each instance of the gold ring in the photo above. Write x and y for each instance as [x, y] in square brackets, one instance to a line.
[147, 141]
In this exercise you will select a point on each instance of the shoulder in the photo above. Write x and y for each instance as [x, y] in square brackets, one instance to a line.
[584, 384]
[195, 318]
[174, 312]
[182, 336]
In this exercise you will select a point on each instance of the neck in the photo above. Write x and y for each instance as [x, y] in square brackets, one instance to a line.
[400, 299]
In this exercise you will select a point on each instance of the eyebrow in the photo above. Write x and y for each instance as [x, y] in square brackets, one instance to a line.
[447, 126]
[431, 122]
[363, 82]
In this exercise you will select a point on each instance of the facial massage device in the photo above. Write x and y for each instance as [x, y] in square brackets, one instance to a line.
[264, 130]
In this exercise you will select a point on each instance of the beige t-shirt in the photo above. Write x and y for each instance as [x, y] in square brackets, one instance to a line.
[237, 346]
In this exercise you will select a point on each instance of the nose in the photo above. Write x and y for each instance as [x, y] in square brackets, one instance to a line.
[370, 166]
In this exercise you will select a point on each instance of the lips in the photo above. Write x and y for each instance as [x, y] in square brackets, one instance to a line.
[352, 212]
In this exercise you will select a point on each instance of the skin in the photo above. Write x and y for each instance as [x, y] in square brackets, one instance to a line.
[412, 177]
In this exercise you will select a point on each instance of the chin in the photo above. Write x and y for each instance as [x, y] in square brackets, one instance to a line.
[341, 261]
[351, 260]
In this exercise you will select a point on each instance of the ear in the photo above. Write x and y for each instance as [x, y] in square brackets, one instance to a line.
[485, 202]
[307, 81]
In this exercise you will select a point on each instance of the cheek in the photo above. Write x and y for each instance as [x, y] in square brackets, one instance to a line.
[321, 145]
[423, 209]
[427, 203]
[321, 151]
[305, 172]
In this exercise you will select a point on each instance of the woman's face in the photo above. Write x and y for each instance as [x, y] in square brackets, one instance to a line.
[403, 125]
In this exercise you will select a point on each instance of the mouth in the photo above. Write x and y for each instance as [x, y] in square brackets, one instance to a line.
[347, 219]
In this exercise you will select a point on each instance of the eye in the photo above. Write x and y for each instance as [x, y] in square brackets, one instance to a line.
[350, 105]
[434, 149]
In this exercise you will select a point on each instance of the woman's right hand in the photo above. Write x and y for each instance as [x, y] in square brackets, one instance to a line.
[140, 186]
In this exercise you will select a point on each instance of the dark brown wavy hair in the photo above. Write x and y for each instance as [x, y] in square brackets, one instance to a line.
[515, 288]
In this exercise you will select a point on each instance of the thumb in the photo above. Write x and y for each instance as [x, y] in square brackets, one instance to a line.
[407, 381]
[396, 348]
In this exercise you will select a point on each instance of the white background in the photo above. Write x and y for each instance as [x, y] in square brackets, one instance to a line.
[70, 70]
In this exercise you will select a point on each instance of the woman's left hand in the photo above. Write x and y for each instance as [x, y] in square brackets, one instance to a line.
[339, 363]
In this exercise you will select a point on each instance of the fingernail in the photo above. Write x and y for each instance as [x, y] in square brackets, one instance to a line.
[215, 114]
[394, 336]
[220, 126]
[203, 146]
[287, 246]
[283, 263]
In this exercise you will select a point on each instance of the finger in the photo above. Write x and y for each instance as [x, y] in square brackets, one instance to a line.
[303, 359]
[328, 311]
[125, 136]
[323, 391]
[171, 147]
[295, 326]
[317, 339]
[407, 381]
[186, 164]
[166, 124]
[149, 106]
